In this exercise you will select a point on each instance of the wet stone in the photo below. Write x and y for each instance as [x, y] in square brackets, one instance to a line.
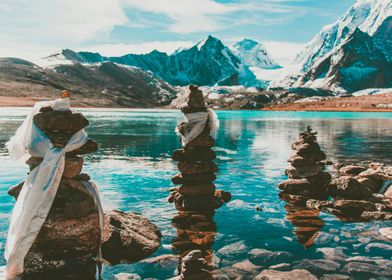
[60, 120]
[206, 155]
[295, 274]
[197, 190]
[348, 188]
[128, 237]
[351, 170]
[196, 179]
[196, 168]
[89, 147]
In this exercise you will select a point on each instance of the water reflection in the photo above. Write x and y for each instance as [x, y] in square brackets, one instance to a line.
[133, 169]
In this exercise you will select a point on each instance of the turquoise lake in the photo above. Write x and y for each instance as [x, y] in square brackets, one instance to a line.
[133, 170]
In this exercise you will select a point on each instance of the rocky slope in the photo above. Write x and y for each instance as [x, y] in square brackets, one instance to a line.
[354, 65]
[352, 54]
[102, 85]
[367, 15]
[209, 62]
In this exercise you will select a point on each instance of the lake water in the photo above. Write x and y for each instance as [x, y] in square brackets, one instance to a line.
[133, 170]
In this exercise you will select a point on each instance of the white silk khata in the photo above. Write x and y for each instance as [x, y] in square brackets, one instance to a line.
[40, 187]
[195, 124]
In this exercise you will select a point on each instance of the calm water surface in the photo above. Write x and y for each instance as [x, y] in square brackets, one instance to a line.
[133, 171]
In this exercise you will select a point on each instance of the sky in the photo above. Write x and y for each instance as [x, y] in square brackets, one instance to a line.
[33, 29]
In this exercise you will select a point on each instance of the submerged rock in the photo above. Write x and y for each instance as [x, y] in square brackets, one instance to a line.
[317, 266]
[265, 257]
[295, 274]
[348, 188]
[128, 237]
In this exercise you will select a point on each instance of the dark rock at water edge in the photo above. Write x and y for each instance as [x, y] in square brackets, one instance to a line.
[128, 237]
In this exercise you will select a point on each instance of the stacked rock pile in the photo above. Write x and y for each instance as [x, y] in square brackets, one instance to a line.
[305, 172]
[360, 192]
[69, 240]
[197, 198]
[196, 165]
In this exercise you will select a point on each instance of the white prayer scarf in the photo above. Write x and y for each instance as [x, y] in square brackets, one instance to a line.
[195, 124]
[40, 187]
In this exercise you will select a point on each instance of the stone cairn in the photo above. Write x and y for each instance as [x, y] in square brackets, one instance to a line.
[306, 180]
[305, 172]
[197, 198]
[69, 240]
[358, 192]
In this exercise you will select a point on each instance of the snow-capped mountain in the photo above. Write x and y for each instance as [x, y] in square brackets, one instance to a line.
[354, 65]
[209, 62]
[253, 54]
[367, 15]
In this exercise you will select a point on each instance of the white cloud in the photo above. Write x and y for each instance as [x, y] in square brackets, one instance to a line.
[189, 16]
[186, 16]
[67, 21]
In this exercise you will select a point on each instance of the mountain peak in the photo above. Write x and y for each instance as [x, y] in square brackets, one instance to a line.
[253, 54]
[367, 15]
[210, 41]
[247, 43]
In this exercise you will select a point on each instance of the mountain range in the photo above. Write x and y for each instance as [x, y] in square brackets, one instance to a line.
[352, 54]
[207, 63]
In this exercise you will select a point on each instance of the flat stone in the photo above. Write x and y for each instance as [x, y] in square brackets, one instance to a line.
[33, 162]
[333, 254]
[293, 199]
[317, 266]
[351, 170]
[196, 179]
[197, 190]
[231, 251]
[318, 204]
[128, 237]
[265, 257]
[60, 120]
[348, 188]
[200, 142]
[206, 203]
[194, 155]
[295, 274]
[387, 232]
[370, 184]
[382, 174]
[246, 265]
[364, 269]
[89, 147]
[303, 187]
[15, 190]
[196, 168]
[281, 267]
[379, 249]
[73, 167]
[354, 207]
[303, 171]
[335, 277]
[388, 193]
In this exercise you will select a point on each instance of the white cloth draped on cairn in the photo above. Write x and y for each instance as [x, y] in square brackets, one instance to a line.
[195, 124]
[40, 187]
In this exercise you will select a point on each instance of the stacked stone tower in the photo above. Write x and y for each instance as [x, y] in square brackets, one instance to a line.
[197, 198]
[69, 240]
[305, 172]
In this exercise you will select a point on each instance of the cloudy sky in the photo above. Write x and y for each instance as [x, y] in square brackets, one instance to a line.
[32, 29]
